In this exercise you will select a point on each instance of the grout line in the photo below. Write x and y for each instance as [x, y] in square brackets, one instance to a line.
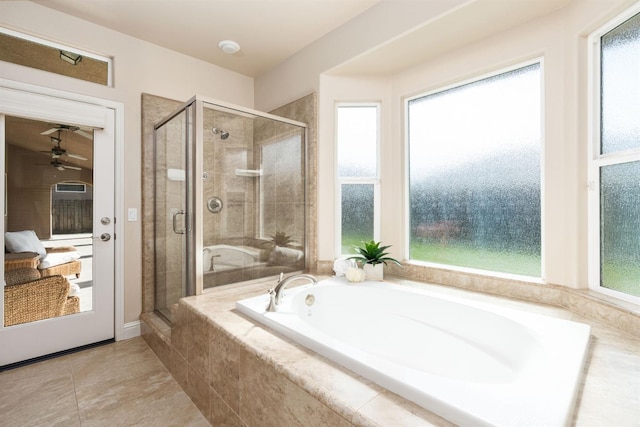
[75, 394]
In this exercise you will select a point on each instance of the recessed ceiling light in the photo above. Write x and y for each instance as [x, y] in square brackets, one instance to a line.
[229, 46]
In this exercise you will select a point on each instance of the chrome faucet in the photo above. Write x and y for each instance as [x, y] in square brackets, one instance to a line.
[211, 265]
[275, 294]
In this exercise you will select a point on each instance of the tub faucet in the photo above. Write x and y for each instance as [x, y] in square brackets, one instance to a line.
[275, 294]
[211, 265]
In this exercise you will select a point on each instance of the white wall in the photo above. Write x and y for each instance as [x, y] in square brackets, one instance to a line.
[561, 40]
[139, 67]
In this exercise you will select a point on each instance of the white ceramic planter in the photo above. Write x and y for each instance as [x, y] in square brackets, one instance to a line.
[374, 272]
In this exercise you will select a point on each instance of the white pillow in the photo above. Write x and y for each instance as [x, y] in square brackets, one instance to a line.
[57, 258]
[74, 290]
[23, 241]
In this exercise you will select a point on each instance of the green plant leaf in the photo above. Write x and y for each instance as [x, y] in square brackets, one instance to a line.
[372, 253]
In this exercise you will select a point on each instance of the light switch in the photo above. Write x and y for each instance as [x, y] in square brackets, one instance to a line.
[132, 214]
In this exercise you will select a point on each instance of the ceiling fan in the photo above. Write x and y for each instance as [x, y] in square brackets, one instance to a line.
[76, 129]
[60, 166]
[57, 151]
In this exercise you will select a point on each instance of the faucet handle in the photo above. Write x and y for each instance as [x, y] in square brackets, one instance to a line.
[272, 300]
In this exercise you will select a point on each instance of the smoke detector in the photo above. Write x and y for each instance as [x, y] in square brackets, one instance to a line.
[229, 46]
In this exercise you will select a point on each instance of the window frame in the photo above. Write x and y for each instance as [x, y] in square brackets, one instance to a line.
[407, 200]
[596, 161]
[62, 47]
[373, 180]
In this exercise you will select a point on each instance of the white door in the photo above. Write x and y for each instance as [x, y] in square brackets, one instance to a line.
[37, 338]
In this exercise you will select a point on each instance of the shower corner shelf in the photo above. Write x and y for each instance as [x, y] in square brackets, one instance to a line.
[249, 172]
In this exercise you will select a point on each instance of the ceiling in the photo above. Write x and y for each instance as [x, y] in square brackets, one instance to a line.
[475, 20]
[268, 31]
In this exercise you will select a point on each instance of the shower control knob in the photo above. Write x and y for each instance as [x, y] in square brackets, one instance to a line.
[215, 205]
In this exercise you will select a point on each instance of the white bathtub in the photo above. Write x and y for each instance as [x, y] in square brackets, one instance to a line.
[472, 363]
[228, 257]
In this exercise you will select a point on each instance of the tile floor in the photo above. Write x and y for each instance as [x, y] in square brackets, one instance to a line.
[118, 384]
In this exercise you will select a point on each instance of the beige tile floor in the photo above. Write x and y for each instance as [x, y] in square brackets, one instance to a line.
[119, 384]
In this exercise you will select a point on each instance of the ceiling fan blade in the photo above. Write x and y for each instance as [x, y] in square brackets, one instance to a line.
[83, 133]
[49, 132]
[76, 156]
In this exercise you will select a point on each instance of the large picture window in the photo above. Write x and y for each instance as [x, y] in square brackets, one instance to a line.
[615, 165]
[358, 183]
[474, 174]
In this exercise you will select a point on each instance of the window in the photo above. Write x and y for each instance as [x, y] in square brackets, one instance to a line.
[474, 174]
[71, 188]
[614, 216]
[358, 183]
[34, 52]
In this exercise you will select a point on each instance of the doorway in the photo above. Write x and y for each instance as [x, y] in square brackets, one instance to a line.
[54, 149]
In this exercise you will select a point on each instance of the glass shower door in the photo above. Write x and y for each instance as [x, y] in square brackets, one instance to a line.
[172, 214]
[253, 190]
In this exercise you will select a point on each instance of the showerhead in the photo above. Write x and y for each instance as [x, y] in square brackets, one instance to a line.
[223, 133]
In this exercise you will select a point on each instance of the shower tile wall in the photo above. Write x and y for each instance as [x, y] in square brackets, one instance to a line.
[279, 152]
[221, 159]
[305, 110]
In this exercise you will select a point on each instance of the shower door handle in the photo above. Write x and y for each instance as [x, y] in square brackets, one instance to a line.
[187, 222]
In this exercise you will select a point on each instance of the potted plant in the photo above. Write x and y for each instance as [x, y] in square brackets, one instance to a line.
[373, 257]
[281, 239]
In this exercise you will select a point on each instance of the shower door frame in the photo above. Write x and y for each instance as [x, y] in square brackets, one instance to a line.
[189, 146]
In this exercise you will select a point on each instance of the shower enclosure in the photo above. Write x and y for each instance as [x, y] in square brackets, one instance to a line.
[230, 196]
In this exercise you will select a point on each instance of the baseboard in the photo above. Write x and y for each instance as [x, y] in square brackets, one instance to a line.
[130, 330]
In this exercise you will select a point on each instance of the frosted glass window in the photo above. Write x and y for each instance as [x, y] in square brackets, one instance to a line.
[620, 87]
[357, 157]
[474, 171]
[619, 227]
[357, 215]
[357, 141]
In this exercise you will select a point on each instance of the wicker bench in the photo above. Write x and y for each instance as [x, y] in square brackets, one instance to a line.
[13, 261]
[38, 299]
[32, 294]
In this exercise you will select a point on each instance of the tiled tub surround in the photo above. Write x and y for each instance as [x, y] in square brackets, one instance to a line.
[240, 373]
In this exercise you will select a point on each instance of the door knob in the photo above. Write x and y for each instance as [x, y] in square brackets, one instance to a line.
[105, 237]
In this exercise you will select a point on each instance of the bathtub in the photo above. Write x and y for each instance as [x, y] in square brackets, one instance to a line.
[228, 257]
[474, 364]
